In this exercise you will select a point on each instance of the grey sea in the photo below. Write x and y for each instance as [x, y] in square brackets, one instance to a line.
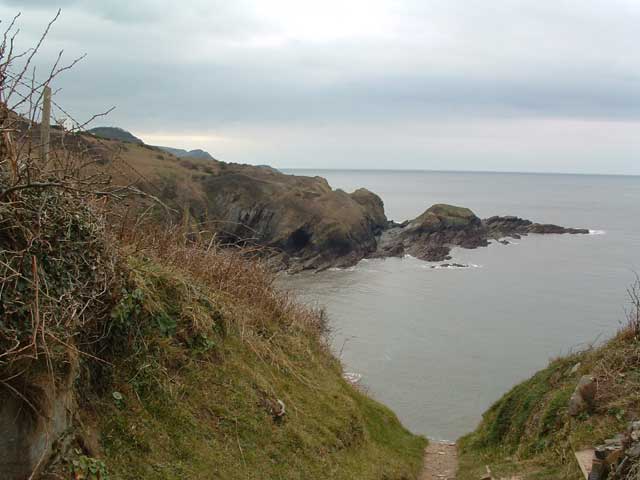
[440, 345]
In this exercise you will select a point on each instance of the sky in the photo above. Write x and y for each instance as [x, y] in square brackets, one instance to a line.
[504, 85]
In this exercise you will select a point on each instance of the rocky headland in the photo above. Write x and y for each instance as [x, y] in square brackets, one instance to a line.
[300, 222]
[309, 226]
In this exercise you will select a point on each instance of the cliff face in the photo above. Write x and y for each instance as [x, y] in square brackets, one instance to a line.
[306, 223]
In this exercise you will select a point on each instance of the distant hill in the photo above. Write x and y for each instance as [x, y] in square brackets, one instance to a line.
[269, 167]
[179, 152]
[115, 133]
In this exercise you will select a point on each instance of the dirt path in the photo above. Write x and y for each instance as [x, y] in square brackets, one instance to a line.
[440, 462]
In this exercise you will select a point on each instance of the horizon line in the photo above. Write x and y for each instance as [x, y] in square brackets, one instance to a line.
[511, 172]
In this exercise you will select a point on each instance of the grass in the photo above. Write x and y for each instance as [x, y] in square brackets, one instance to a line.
[200, 349]
[191, 408]
[528, 432]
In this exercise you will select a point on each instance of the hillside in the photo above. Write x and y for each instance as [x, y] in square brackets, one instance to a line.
[534, 429]
[132, 353]
[180, 153]
[115, 133]
[301, 220]
[199, 391]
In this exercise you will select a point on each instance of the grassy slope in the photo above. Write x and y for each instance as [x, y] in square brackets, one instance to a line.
[528, 431]
[185, 347]
[197, 385]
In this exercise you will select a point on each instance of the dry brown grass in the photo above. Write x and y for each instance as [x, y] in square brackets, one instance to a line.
[232, 276]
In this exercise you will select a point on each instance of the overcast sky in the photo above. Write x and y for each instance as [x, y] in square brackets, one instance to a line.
[508, 85]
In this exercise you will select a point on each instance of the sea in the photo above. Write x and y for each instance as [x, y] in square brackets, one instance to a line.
[440, 345]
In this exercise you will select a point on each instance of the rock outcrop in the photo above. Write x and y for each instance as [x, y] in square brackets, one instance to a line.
[31, 433]
[303, 222]
[307, 225]
[431, 235]
[515, 227]
[583, 397]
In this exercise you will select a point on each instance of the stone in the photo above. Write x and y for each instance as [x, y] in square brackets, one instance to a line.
[28, 438]
[600, 452]
[585, 460]
[279, 409]
[488, 475]
[583, 397]
[634, 451]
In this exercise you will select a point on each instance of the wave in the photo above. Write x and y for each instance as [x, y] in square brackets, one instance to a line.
[342, 269]
[452, 266]
[352, 377]
[597, 232]
[506, 241]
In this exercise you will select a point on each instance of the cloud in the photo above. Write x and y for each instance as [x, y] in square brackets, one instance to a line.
[305, 71]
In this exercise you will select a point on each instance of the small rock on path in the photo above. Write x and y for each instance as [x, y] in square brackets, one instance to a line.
[440, 461]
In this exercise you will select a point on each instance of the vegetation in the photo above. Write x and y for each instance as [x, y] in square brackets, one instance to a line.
[529, 431]
[206, 349]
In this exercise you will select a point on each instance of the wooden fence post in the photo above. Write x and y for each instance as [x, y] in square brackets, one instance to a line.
[45, 123]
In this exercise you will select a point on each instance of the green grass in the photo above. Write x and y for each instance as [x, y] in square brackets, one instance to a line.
[529, 433]
[195, 403]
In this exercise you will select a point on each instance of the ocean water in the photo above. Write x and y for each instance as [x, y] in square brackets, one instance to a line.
[440, 345]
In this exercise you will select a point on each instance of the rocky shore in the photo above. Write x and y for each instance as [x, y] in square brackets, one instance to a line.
[307, 225]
